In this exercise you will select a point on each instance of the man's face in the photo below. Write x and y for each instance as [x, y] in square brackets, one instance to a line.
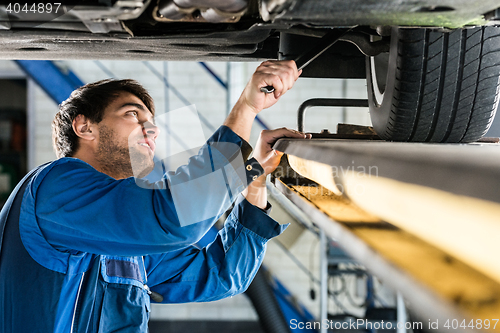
[126, 139]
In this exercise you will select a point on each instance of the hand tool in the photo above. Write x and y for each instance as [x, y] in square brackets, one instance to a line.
[306, 58]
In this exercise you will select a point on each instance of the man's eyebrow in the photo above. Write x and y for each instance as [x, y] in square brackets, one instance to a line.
[137, 105]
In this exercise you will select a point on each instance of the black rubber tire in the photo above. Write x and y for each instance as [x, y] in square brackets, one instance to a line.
[435, 86]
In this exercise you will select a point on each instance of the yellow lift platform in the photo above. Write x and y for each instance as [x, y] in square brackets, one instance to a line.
[424, 218]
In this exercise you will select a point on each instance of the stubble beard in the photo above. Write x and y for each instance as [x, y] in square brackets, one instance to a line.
[118, 159]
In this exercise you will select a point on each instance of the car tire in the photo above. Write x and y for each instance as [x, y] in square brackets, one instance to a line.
[435, 86]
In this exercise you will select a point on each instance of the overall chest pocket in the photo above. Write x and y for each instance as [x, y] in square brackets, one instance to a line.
[126, 304]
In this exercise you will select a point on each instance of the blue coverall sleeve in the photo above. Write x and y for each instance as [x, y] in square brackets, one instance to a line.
[81, 210]
[222, 269]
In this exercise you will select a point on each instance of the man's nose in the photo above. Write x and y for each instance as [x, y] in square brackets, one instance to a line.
[150, 129]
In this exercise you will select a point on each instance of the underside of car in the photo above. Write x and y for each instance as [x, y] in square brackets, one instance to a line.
[432, 67]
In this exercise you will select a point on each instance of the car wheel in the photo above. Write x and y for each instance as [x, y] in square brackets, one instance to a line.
[435, 86]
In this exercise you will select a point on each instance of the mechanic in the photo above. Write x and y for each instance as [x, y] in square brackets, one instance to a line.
[85, 245]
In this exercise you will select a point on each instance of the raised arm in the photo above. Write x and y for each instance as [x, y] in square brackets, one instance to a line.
[280, 74]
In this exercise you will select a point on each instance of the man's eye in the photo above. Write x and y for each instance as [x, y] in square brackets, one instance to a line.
[133, 113]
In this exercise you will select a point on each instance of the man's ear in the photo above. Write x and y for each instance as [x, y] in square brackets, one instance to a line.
[83, 128]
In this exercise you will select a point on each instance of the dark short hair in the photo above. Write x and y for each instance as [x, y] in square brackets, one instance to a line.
[90, 101]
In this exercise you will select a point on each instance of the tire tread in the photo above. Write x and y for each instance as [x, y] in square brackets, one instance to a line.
[446, 85]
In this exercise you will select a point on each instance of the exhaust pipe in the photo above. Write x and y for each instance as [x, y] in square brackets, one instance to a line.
[213, 11]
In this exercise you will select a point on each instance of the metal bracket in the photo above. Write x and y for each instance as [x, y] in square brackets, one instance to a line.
[363, 43]
[315, 102]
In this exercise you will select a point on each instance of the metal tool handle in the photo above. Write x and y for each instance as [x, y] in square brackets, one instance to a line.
[306, 58]
[267, 89]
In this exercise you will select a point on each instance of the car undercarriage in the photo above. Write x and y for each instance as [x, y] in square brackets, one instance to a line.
[412, 53]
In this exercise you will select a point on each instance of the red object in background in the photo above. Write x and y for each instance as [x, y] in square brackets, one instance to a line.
[18, 137]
